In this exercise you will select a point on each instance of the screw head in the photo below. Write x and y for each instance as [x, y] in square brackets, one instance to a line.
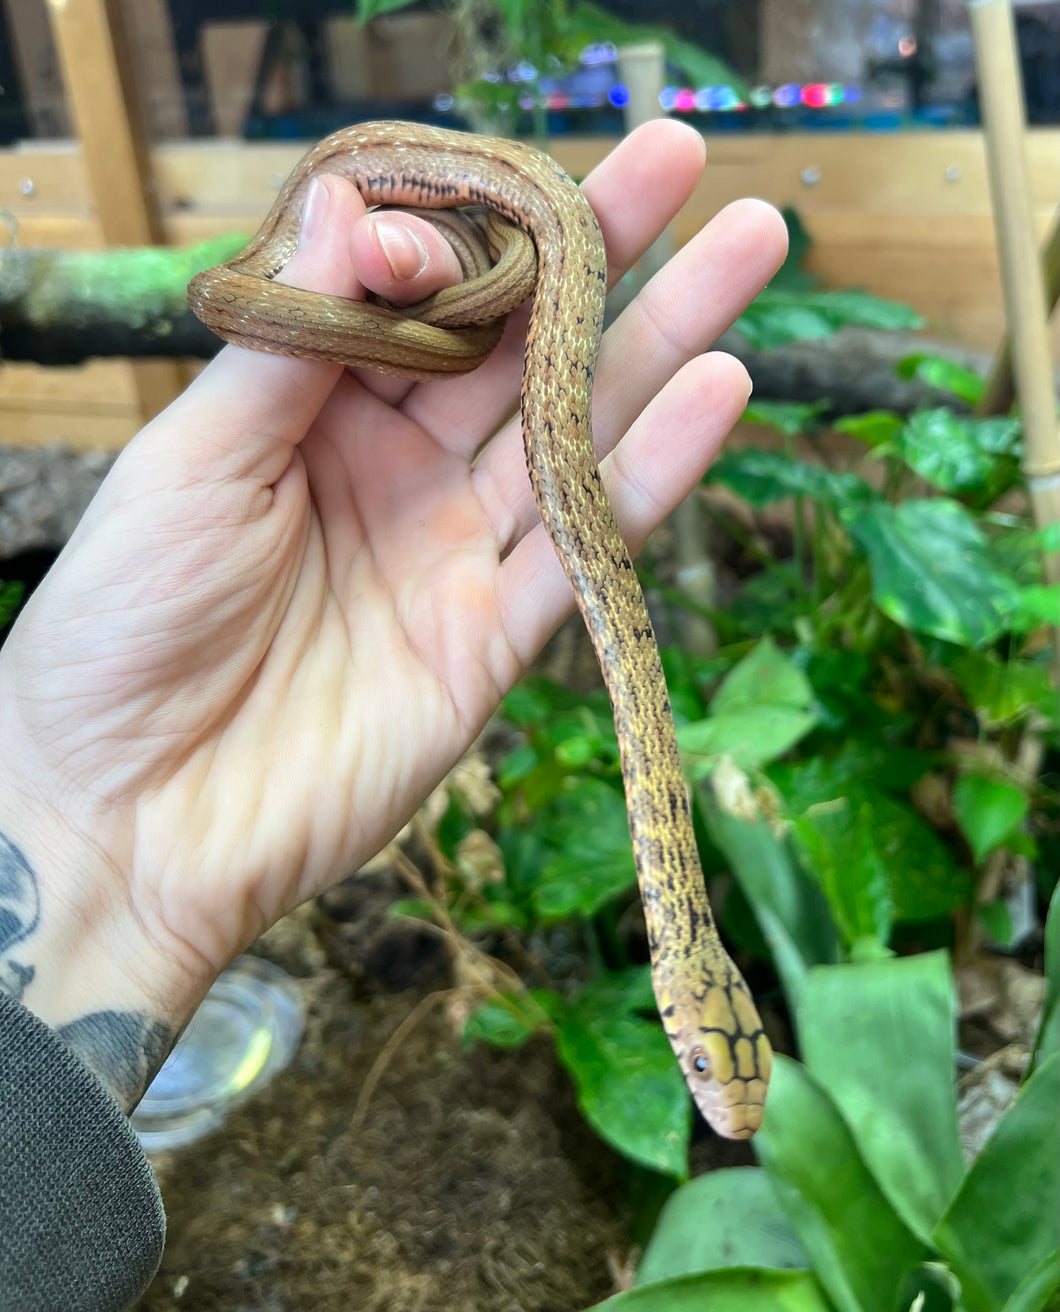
[810, 175]
[952, 173]
[27, 187]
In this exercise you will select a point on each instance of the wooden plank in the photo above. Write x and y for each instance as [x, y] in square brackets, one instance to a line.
[97, 71]
[231, 53]
[38, 67]
[155, 67]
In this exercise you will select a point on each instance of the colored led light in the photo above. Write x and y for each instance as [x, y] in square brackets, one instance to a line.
[619, 95]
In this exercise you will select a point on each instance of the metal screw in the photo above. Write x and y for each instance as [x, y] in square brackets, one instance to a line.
[27, 187]
[953, 173]
[810, 175]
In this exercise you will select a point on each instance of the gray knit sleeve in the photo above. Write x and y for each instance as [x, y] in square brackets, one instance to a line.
[81, 1220]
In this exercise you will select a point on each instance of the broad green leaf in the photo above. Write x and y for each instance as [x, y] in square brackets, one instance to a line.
[788, 417]
[1001, 691]
[629, 1087]
[516, 765]
[765, 677]
[987, 810]
[725, 1291]
[947, 375]
[837, 843]
[1047, 1041]
[752, 736]
[931, 572]
[1038, 1290]
[762, 477]
[1002, 1222]
[879, 1037]
[778, 316]
[959, 454]
[789, 909]
[923, 876]
[592, 859]
[725, 1218]
[860, 1248]
[874, 427]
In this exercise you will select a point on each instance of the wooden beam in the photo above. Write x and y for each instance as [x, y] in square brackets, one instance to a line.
[97, 70]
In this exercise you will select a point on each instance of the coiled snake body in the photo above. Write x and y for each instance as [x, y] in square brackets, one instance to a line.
[704, 1003]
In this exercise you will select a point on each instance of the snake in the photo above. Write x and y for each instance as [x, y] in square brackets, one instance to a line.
[541, 229]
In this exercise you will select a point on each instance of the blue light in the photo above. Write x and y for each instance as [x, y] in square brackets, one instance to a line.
[787, 95]
[619, 95]
[852, 94]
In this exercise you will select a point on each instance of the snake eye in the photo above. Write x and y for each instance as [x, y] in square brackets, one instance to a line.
[700, 1064]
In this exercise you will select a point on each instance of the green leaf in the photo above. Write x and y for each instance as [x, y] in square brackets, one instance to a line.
[837, 842]
[629, 1087]
[724, 1291]
[789, 909]
[923, 876]
[879, 1037]
[592, 858]
[757, 713]
[946, 375]
[765, 676]
[516, 765]
[860, 1248]
[510, 1019]
[959, 454]
[1002, 1222]
[10, 596]
[752, 736]
[788, 417]
[987, 810]
[874, 427]
[1037, 1291]
[369, 9]
[1001, 692]
[931, 572]
[1047, 1041]
[778, 316]
[762, 477]
[725, 1218]
[1034, 604]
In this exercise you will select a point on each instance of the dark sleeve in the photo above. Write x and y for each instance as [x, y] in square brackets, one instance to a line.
[81, 1220]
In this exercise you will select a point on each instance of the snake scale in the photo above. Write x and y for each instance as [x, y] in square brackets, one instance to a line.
[706, 1007]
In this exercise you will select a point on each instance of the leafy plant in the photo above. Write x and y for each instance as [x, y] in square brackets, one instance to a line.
[534, 43]
[862, 1201]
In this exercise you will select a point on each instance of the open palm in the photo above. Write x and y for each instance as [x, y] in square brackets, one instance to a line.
[300, 592]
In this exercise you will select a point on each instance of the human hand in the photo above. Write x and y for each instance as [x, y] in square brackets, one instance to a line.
[301, 592]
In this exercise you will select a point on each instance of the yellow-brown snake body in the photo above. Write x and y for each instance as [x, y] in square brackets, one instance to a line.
[705, 1005]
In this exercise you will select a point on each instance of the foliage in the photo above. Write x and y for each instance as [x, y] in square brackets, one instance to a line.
[542, 42]
[10, 596]
[861, 1194]
[834, 807]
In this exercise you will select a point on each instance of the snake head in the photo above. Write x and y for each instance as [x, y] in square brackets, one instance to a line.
[724, 1055]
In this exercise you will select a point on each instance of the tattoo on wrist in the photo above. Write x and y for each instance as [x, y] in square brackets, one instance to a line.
[124, 1048]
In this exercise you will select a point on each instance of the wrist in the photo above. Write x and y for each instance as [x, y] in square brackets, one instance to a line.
[73, 948]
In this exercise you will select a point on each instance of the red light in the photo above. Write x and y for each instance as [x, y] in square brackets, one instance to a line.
[815, 94]
[685, 100]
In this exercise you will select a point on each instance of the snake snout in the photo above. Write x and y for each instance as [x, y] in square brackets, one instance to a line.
[726, 1060]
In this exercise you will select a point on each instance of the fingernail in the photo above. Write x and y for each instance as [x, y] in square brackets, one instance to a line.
[402, 250]
[316, 202]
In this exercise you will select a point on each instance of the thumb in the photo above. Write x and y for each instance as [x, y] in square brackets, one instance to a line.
[247, 409]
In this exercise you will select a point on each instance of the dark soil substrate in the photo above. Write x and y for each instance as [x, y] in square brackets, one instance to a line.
[470, 1182]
